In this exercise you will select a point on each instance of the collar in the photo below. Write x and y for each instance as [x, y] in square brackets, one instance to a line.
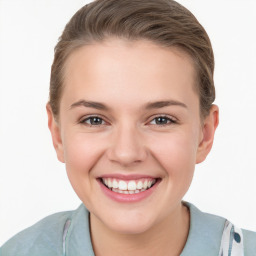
[204, 234]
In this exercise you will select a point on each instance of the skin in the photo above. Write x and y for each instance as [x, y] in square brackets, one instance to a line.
[125, 76]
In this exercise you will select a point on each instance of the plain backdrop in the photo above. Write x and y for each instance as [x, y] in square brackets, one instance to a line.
[33, 184]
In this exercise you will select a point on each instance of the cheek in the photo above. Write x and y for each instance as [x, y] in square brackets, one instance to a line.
[176, 153]
[81, 154]
[81, 150]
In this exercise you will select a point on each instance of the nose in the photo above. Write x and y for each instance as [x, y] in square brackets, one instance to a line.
[127, 146]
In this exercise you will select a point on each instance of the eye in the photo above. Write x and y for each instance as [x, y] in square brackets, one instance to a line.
[93, 121]
[162, 120]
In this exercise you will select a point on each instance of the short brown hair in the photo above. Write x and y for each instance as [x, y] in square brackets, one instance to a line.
[164, 22]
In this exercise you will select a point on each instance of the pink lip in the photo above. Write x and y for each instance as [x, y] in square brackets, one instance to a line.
[128, 198]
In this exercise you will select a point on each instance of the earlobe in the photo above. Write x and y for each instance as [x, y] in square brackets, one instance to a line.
[209, 126]
[55, 132]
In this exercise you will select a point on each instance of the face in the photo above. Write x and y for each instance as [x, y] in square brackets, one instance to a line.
[130, 131]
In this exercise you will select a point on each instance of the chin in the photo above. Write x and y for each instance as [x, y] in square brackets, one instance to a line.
[130, 224]
[130, 229]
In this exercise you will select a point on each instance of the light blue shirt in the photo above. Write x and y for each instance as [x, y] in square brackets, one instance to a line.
[67, 234]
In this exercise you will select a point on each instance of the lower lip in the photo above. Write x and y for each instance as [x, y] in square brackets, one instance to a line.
[128, 198]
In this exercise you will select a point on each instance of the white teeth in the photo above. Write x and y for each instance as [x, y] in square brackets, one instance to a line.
[139, 185]
[132, 185]
[110, 183]
[122, 185]
[115, 184]
[127, 191]
[128, 187]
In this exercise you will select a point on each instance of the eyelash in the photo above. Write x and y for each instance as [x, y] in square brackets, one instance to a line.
[83, 121]
[169, 120]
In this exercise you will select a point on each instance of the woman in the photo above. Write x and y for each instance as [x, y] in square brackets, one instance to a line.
[130, 113]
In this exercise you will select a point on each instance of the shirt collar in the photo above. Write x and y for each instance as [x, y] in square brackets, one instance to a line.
[204, 234]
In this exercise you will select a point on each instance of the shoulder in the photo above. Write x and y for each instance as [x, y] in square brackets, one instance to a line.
[249, 242]
[211, 234]
[204, 234]
[43, 238]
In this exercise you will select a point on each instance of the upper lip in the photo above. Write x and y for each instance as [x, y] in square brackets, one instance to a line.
[127, 176]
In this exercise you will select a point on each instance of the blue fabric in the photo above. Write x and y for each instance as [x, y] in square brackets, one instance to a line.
[205, 234]
[71, 230]
[249, 243]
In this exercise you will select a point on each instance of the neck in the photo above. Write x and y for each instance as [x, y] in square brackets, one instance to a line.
[166, 238]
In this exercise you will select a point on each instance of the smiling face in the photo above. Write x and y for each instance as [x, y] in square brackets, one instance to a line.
[130, 118]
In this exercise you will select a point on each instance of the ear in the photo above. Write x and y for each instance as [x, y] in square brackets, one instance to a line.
[210, 124]
[55, 132]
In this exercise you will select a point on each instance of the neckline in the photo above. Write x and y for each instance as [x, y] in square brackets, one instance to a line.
[204, 237]
[205, 232]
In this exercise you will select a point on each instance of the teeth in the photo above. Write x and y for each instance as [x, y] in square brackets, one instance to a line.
[128, 187]
[110, 183]
[139, 185]
[122, 185]
[127, 191]
[114, 184]
[132, 185]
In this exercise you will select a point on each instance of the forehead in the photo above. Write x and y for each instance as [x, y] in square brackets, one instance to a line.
[133, 70]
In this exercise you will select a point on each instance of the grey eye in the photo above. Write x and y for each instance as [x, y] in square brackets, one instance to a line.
[93, 120]
[162, 120]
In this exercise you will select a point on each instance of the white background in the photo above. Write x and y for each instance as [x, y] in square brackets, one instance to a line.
[33, 184]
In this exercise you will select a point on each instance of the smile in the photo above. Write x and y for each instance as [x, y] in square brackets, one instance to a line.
[128, 186]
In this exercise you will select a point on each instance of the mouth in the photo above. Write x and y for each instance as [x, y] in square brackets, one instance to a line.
[135, 186]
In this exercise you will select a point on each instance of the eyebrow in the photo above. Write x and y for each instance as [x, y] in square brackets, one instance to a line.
[148, 106]
[89, 104]
[165, 103]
